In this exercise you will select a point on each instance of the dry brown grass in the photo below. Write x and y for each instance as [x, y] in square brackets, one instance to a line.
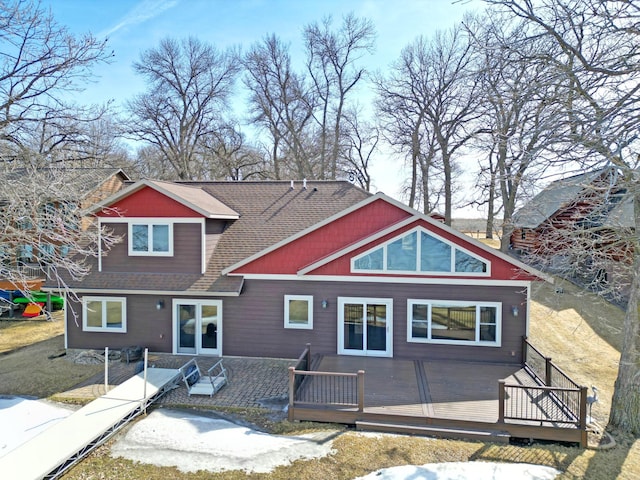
[19, 332]
[579, 331]
[582, 333]
[26, 366]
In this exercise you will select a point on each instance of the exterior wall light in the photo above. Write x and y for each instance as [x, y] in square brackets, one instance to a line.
[160, 305]
[514, 310]
[324, 303]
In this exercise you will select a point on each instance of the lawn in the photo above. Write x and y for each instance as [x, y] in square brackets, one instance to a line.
[579, 331]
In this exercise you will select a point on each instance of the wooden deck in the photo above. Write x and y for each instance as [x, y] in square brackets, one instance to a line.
[449, 394]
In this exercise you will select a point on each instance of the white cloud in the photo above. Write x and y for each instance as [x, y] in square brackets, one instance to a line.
[143, 11]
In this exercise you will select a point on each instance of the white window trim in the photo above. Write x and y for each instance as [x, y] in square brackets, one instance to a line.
[364, 301]
[309, 300]
[452, 270]
[149, 224]
[103, 300]
[454, 303]
[199, 303]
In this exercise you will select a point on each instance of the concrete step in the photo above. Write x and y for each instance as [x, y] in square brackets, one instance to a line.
[435, 431]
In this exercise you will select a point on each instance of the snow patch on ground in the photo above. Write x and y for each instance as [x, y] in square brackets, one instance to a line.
[465, 471]
[193, 442]
[22, 419]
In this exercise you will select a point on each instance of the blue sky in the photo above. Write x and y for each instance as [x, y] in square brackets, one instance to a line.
[133, 26]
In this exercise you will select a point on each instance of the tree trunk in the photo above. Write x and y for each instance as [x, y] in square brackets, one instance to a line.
[446, 163]
[415, 153]
[625, 404]
[491, 203]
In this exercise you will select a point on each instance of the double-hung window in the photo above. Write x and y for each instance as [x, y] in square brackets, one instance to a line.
[298, 311]
[151, 238]
[454, 322]
[104, 314]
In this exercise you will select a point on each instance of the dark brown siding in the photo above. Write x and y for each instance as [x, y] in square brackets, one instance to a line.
[187, 253]
[254, 323]
[146, 326]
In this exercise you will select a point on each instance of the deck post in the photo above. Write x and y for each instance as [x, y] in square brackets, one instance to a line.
[146, 363]
[308, 357]
[524, 350]
[547, 372]
[292, 380]
[361, 390]
[583, 417]
[106, 370]
[501, 398]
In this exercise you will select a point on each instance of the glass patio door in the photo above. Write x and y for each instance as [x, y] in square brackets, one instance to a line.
[198, 326]
[365, 327]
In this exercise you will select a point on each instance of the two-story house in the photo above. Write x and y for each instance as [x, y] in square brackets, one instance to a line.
[262, 268]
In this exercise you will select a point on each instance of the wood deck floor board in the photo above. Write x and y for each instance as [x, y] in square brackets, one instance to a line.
[448, 390]
[443, 394]
[466, 389]
[388, 386]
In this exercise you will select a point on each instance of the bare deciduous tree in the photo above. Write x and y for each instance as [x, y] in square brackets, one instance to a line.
[598, 64]
[401, 104]
[231, 158]
[332, 57]
[43, 234]
[428, 105]
[520, 110]
[363, 144]
[40, 63]
[190, 83]
[281, 104]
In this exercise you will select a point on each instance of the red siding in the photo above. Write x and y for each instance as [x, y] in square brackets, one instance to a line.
[344, 231]
[500, 269]
[354, 227]
[148, 202]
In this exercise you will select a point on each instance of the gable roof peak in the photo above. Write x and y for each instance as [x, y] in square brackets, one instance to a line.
[191, 196]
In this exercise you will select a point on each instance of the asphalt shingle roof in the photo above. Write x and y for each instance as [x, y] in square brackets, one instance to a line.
[556, 195]
[270, 211]
[80, 182]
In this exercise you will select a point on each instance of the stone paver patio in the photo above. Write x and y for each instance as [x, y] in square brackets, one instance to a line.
[253, 382]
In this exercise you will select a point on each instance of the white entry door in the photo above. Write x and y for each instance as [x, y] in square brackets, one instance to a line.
[198, 327]
[365, 326]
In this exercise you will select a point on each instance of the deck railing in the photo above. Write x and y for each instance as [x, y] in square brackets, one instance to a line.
[558, 398]
[302, 365]
[32, 271]
[540, 404]
[304, 360]
[326, 389]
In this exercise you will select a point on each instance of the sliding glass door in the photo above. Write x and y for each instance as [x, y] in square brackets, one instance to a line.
[365, 326]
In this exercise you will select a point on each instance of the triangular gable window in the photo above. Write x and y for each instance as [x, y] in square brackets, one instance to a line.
[419, 251]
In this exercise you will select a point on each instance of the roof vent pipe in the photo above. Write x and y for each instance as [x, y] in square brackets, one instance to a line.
[304, 183]
[291, 184]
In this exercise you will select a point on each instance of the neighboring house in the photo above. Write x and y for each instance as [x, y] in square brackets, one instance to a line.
[78, 189]
[262, 268]
[575, 227]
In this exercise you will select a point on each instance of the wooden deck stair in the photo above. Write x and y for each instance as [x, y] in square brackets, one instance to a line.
[495, 436]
